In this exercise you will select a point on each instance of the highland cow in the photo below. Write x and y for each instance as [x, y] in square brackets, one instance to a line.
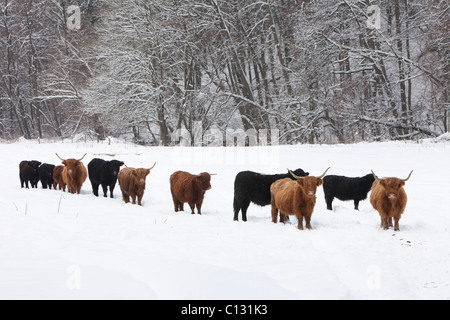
[389, 199]
[46, 175]
[255, 187]
[29, 174]
[104, 173]
[189, 188]
[132, 183]
[346, 189]
[74, 174]
[295, 198]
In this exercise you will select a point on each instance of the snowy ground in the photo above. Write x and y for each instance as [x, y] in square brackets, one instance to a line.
[59, 246]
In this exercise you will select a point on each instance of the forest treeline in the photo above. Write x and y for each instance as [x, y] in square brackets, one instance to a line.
[142, 69]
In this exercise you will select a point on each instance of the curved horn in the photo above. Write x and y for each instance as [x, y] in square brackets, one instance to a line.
[404, 180]
[375, 176]
[295, 176]
[60, 157]
[82, 157]
[153, 166]
[324, 174]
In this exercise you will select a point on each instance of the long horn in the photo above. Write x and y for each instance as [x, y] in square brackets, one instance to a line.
[153, 166]
[408, 176]
[324, 174]
[295, 176]
[60, 157]
[82, 157]
[375, 176]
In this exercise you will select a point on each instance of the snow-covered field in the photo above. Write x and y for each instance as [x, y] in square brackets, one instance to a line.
[54, 245]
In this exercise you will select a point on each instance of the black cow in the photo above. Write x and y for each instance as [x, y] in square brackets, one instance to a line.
[46, 175]
[255, 187]
[104, 173]
[29, 173]
[346, 189]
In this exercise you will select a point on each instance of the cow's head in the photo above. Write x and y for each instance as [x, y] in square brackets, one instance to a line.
[113, 167]
[140, 175]
[72, 165]
[392, 186]
[204, 179]
[309, 183]
[34, 164]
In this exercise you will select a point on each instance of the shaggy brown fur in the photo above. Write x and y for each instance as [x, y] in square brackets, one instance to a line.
[74, 174]
[295, 198]
[132, 184]
[389, 199]
[58, 178]
[189, 188]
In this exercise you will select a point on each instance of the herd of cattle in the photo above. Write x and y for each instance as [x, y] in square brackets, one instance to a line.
[293, 193]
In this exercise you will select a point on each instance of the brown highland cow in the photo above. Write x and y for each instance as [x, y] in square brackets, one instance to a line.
[295, 198]
[189, 188]
[389, 199]
[74, 174]
[132, 183]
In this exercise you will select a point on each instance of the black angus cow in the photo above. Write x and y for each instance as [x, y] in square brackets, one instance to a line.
[46, 175]
[346, 189]
[255, 187]
[104, 173]
[29, 172]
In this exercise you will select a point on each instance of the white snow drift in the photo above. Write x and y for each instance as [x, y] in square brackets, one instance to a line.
[54, 245]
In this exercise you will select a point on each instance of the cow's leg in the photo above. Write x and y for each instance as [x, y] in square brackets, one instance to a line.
[308, 222]
[329, 201]
[390, 222]
[356, 204]
[240, 205]
[236, 210]
[125, 197]
[397, 225]
[111, 190]
[244, 207]
[199, 208]
[105, 190]
[274, 213]
[192, 205]
[282, 218]
[140, 199]
[95, 188]
[300, 221]
[133, 198]
[176, 203]
[384, 222]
